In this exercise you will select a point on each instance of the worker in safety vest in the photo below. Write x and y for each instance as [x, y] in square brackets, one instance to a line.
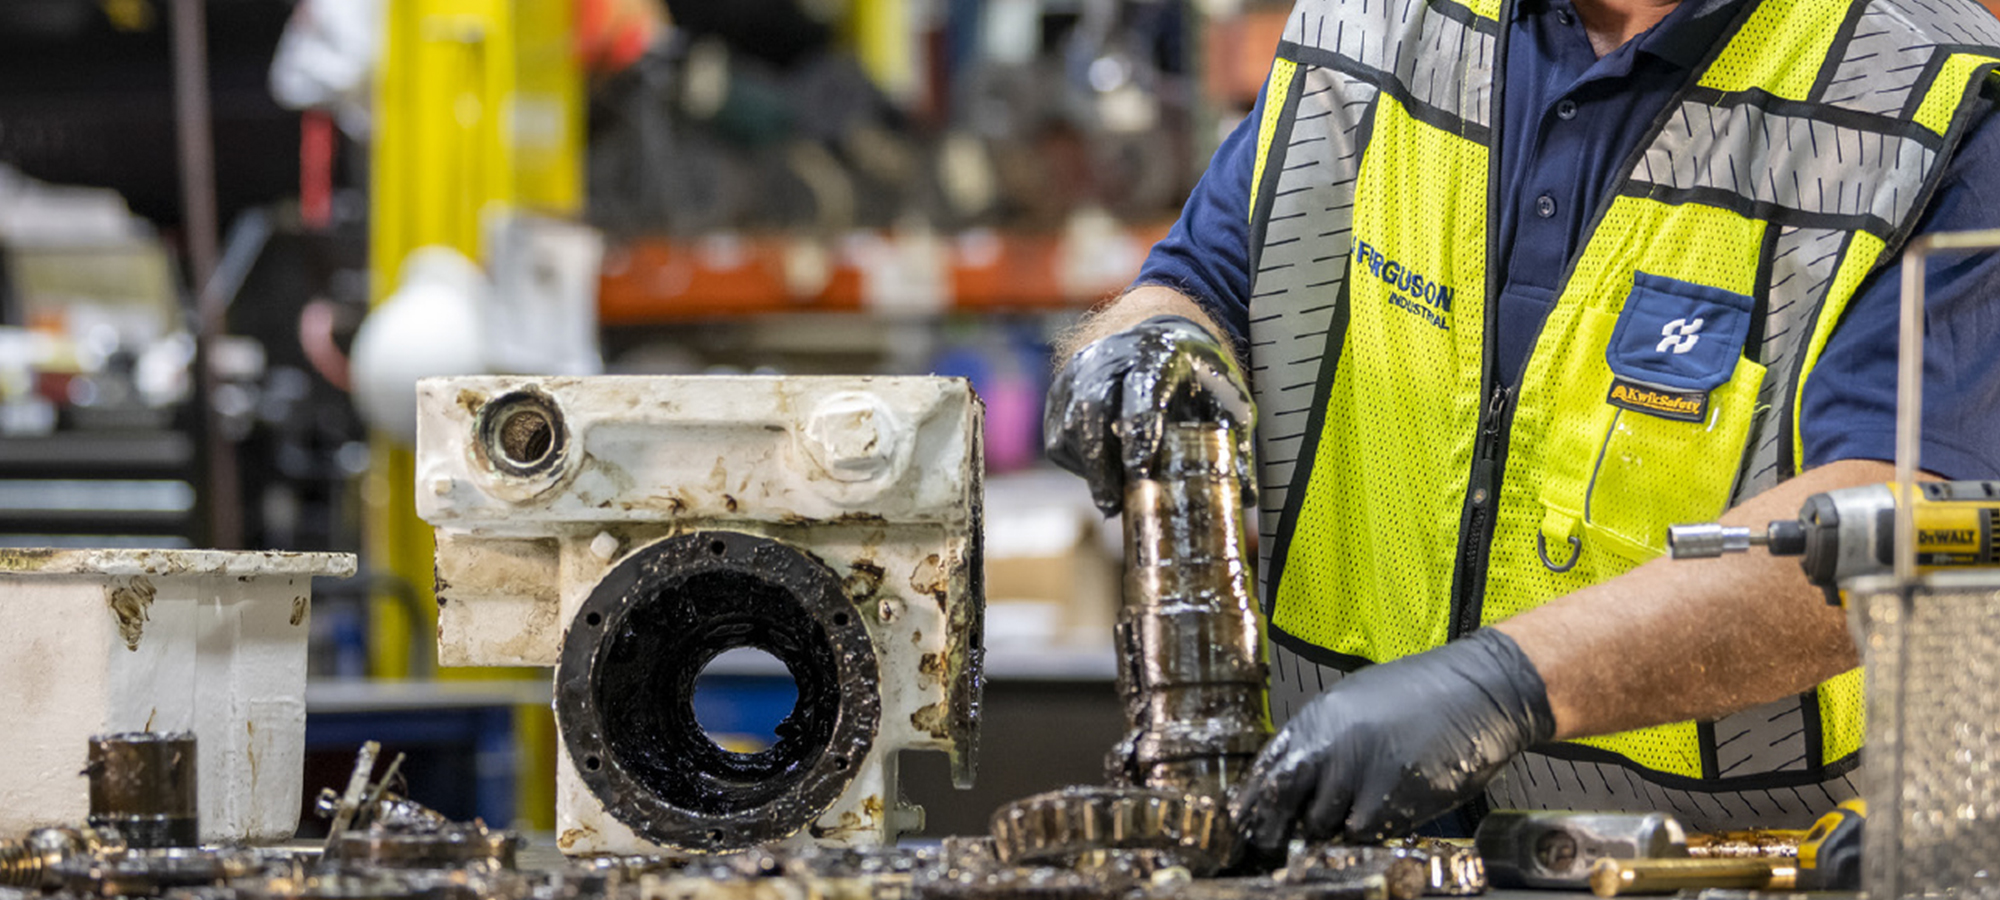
[1518, 284]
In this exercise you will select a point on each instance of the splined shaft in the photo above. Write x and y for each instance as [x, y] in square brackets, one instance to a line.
[26, 862]
[1190, 637]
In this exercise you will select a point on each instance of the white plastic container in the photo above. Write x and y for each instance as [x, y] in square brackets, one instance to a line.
[212, 641]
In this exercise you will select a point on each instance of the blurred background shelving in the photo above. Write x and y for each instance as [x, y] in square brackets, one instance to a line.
[203, 201]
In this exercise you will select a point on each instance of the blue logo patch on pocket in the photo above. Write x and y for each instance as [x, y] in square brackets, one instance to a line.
[1679, 336]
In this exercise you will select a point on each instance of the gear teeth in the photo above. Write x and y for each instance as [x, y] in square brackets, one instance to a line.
[1060, 827]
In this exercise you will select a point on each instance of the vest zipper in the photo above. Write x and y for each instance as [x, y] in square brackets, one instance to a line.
[1482, 497]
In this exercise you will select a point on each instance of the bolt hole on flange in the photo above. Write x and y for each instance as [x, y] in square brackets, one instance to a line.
[593, 620]
[593, 763]
[522, 433]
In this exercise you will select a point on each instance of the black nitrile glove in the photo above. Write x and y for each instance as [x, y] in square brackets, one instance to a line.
[1110, 403]
[1395, 745]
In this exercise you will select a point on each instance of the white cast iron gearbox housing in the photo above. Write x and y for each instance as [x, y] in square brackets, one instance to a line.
[626, 530]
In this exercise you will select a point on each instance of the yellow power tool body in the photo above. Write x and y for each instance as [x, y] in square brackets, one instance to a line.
[1849, 532]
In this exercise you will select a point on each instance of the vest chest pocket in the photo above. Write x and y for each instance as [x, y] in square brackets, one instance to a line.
[1674, 419]
[1654, 471]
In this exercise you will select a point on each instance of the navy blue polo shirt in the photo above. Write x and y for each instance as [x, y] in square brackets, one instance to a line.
[1569, 120]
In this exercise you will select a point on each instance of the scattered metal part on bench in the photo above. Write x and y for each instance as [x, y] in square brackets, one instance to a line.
[1554, 849]
[1062, 827]
[1367, 887]
[371, 824]
[1190, 638]
[1405, 875]
[1624, 877]
[340, 809]
[1765, 844]
[428, 846]
[151, 873]
[145, 784]
[1455, 867]
[1015, 883]
[28, 862]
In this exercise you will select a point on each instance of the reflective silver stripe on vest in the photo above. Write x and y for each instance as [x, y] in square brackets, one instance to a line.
[1295, 680]
[1788, 161]
[1803, 265]
[1307, 240]
[1427, 49]
[1538, 781]
[1885, 64]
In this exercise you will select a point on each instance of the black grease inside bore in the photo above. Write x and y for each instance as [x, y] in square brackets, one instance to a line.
[647, 667]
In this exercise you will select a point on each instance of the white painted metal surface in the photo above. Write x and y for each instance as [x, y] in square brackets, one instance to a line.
[96, 641]
[878, 477]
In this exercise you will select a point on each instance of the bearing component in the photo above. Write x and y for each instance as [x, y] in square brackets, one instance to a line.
[625, 690]
[144, 785]
[1064, 827]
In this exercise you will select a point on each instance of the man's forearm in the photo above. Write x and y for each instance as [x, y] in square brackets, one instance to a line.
[1129, 309]
[1693, 639]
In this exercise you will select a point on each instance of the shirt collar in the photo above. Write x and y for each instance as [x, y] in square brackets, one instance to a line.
[1684, 38]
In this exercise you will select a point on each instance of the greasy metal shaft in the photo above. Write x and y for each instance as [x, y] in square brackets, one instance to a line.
[28, 862]
[144, 785]
[1190, 637]
[1621, 877]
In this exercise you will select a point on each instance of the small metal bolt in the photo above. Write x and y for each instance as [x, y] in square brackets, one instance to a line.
[853, 437]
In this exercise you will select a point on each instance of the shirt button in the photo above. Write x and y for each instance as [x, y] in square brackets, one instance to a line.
[1545, 206]
[1566, 17]
[1566, 109]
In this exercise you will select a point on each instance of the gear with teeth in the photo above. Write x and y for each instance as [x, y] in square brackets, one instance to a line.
[1065, 827]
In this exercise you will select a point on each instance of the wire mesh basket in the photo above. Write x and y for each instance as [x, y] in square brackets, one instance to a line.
[1932, 772]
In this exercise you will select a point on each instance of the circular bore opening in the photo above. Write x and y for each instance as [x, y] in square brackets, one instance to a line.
[522, 433]
[741, 698]
[526, 436]
[593, 620]
[717, 547]
[593, 763]
[649, 665]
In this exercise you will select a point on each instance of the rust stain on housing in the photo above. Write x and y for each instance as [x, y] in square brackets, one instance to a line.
[934, 720]
[931, 670]
[129, 600]
[570, 838]
[299, 608]
[863, 580]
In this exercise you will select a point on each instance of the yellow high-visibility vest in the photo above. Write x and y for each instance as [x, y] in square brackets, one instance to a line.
[1407, 501]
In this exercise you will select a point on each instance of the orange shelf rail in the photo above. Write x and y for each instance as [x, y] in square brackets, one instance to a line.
[651, 281]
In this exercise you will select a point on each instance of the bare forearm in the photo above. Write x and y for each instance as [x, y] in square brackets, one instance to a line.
[1693, 639]
[1129, 309]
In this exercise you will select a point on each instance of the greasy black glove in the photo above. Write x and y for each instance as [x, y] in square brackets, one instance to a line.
[1395, 745]
[1111, 401]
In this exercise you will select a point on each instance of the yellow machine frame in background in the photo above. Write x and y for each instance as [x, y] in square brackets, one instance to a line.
[477, 103]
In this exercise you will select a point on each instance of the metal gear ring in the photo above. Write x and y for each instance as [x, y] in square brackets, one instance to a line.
[1061, 827]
